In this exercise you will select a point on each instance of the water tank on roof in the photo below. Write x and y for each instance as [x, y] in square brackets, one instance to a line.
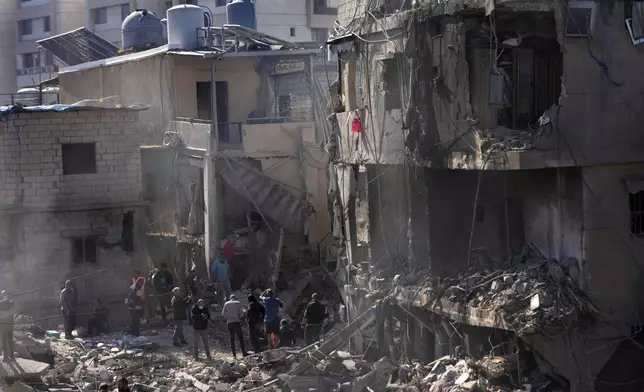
[184, 22]
[164, 24]
[241, 12]
[142, 30]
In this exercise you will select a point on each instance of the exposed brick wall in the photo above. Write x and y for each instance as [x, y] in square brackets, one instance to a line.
[31, 159]
[47, 209]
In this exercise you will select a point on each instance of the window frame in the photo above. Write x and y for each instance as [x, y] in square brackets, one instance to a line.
[83, 256]
[125, 6]
[22, 24]
[99, 11]
[69, 168]
[46, 24]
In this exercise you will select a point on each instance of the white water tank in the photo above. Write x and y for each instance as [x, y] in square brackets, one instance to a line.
[183, 22]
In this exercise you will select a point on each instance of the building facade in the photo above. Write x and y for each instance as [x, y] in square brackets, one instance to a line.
[35, 20]
[468, 130]
[71, 206]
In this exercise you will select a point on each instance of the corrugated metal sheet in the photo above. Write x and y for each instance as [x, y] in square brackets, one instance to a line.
[267, 195]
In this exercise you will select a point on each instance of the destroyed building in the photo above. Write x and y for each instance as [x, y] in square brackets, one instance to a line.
[263, 160]
[501, 136]
[71, 205]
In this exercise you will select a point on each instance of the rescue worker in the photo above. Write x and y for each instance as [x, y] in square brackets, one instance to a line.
[68, 301]
[220, 269]
[135, 305]
[163, 284]
[99, 320]
[200, 319]
[255, 316]
[233, 312]
[314, 316]
[179, 315]
[7, 313]
[272, 308]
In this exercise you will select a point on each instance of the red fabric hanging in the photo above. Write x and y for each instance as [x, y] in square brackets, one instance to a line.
[356, 127]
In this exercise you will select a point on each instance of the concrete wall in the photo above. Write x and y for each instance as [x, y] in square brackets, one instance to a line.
[243, 85]
[46, 209]
[612, 254]
[8, 37]
[149, 81]
[514, 208]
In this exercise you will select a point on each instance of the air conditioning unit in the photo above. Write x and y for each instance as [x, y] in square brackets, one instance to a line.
[580, 18]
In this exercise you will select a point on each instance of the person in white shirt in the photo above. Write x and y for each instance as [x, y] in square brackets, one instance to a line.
[233, 312]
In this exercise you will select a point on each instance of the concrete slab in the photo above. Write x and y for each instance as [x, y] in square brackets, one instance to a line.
[20, 368]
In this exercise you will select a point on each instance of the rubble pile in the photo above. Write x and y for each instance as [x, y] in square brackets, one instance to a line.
[450, 374]
[532, 295]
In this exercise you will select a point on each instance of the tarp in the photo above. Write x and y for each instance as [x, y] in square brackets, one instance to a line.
[6, 110]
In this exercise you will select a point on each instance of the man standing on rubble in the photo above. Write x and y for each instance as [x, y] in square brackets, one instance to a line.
[200, 319]
[233, 312]
[135, 305]
[179, 315]
[272, 306]
[220, 269]
[314, 316]
[163, 283]
[255, 316]
[68, 301]
[7, 313]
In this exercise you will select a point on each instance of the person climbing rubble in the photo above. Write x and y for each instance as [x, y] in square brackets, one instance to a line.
[191, 286]
[313, 319]
[220, 269]
[179, 315]
[68, 301]
[135, 305]
[233, 312]
[7, 314]
[200, 318]
[255, 316]
[100, 319]
[163, 283]
[272, 308]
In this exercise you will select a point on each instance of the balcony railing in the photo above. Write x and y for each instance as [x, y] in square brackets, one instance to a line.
[37, 70]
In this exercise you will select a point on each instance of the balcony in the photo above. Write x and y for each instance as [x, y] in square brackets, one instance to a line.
[258, 139]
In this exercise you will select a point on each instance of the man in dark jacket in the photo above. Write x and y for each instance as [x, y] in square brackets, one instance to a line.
[286, 334]
[200, 318]
[135, 304]
[314, 316]
[163, 284]
[255, 316]
[179, 315]
[99, 320]
[68, 302]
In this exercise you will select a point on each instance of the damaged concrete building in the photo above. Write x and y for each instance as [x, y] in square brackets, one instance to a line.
[71, 206]
[261, 164]
[499, 136]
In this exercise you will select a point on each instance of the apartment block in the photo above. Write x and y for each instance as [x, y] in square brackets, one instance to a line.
[35, 20]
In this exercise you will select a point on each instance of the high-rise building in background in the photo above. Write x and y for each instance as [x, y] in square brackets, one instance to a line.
[24, 22]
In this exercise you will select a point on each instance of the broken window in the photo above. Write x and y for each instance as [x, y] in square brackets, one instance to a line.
[84, 250]
[391, 80]
[79, 158]
[580, 18]
[636, 202]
